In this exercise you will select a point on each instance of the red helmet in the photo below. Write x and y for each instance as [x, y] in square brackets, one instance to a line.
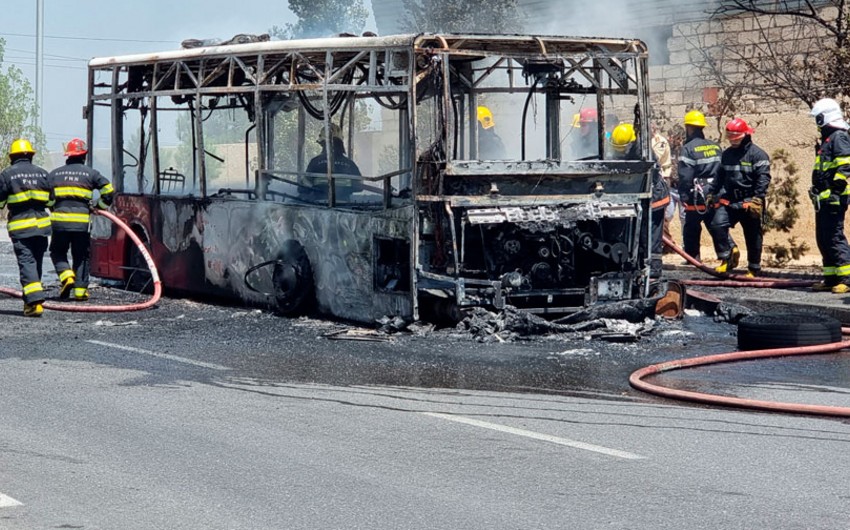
[75, 147]
[587, 116]
[738, 128]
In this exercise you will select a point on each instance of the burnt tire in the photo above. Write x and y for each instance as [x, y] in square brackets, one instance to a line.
[786, 330]
[292, 279]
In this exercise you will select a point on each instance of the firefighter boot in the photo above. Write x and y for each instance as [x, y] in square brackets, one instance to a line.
[67, 278]
[729, 264]
[34, 309]
[81, 294]
[824, 286]
[751, 273]
[841, 288]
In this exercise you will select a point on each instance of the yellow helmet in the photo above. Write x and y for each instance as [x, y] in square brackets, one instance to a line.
[622, 136]
[485, 117]
[695, 118]
[20, 147]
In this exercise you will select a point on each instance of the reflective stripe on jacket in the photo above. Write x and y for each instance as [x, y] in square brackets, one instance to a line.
[744, 173]
[73, 186]
[832, 165]
[24, 188]
[699, 163]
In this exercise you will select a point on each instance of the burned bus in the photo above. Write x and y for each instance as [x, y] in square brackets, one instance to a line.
[364, 177]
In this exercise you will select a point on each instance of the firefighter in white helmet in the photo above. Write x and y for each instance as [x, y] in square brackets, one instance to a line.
[830, 195]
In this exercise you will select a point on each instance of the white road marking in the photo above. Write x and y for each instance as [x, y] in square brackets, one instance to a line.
[160, 355]
[537, 436]
[8, 502]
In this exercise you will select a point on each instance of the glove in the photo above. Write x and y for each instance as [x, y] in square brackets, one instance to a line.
[756, 208]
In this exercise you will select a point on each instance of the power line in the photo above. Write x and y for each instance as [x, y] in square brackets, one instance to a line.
[47, 54]
[52, 65]
[14, 58]
[84, 38]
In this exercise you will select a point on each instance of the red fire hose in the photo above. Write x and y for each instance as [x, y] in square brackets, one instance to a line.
[87, 308]
[731, 280]
[636, 380]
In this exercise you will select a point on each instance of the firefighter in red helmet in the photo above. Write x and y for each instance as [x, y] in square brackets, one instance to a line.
[739, 193]
[586, 143]
[74, 185]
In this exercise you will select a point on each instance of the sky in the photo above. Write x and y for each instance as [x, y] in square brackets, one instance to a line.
[75, 32]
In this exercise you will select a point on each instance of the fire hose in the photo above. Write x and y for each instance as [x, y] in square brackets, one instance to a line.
[87, 308]
[636, 380]
[732, 280]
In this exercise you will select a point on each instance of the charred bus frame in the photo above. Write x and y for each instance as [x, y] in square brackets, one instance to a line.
[539, 229]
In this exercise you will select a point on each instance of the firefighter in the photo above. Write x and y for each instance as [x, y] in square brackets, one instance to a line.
[73, 188]
[699, 163]
[25, 190]
[490, 146]
[586, 143]
[830, 195]
[342, 165]
[739, 193]
[661, 149]
[624, 146]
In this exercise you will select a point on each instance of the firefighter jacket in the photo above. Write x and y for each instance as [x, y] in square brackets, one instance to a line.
[73, 185]
[699, 163]
[832, 167]
[660, 190]
[744, 175]
[342, 165]
[24, 188]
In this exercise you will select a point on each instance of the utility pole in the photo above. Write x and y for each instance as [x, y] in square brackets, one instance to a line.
[39, 59]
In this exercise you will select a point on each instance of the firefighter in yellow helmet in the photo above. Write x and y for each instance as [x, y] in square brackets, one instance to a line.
[699, 164]
[24, 188]
[624, 145]
[490, 146]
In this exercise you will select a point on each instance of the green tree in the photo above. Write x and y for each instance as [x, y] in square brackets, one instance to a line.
[460, 16]
[320, 18]
[18, 110]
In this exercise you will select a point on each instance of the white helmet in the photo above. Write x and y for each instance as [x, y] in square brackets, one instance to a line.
[828, 112]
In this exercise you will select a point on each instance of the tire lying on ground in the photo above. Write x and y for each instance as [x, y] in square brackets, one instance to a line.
[785, 330]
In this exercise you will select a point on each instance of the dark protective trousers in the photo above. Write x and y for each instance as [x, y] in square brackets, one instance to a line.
[79, 242]
[29, 252]
[726, 217]
[832, 243]
[692, 233]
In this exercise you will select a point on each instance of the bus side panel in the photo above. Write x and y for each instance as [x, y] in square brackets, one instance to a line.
[340, 245]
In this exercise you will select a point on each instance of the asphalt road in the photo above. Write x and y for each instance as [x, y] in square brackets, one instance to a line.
[197, 416]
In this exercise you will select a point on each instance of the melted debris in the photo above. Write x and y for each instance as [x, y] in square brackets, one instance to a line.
[511, 324]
